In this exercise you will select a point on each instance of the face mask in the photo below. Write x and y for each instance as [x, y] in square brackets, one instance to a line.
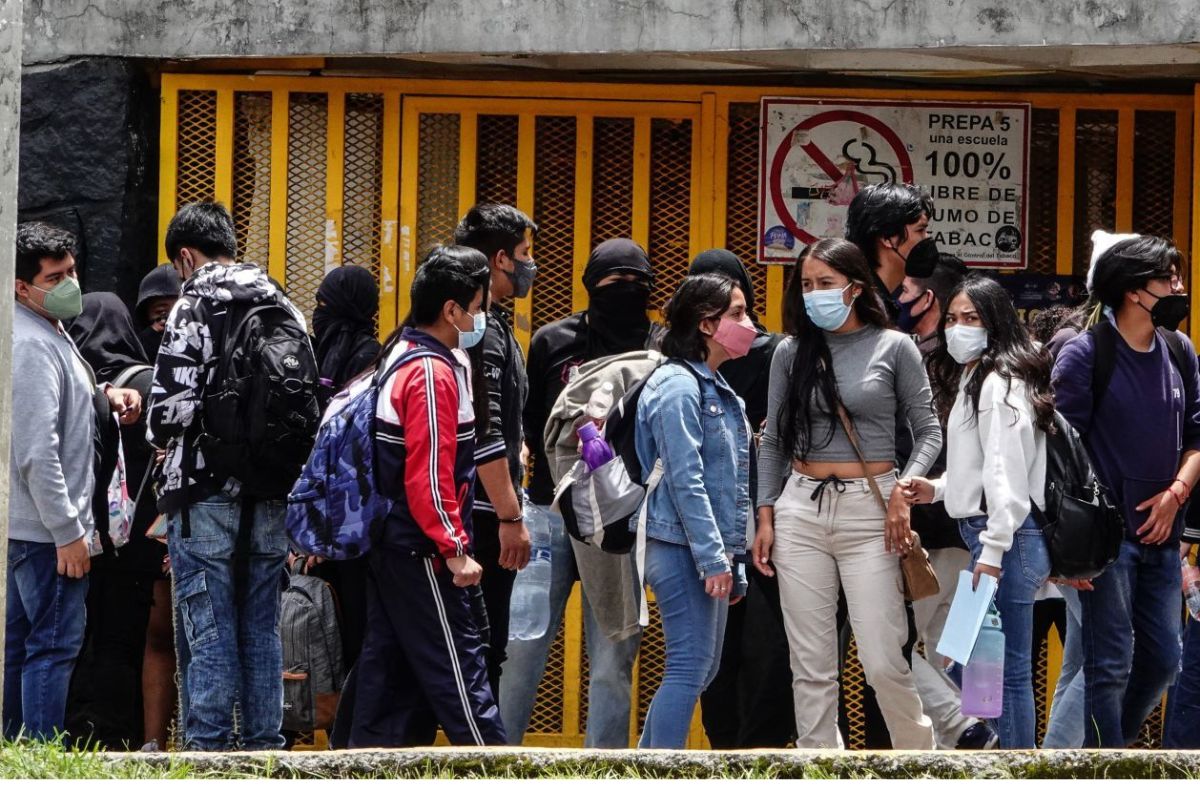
[522, 277]
[966, 343]
[623, 302]
[921, 259]
[64, 301]
[1170, 310]
[468, 339]
[826, 307]
[735, 337]
[907, 321]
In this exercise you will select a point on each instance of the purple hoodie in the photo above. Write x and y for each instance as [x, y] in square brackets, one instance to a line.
[1147, 419]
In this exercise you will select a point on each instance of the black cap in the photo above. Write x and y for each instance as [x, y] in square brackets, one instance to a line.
[615, 256]
[162, 281]
[728, 264]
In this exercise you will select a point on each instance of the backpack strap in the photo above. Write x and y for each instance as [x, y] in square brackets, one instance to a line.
[656, 475]
[129, 373]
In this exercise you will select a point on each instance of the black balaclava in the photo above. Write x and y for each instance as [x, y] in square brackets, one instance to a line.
[616, 317]
[105, 336]
[344, 320]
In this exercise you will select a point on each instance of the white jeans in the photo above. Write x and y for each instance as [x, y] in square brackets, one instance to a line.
[821, 538]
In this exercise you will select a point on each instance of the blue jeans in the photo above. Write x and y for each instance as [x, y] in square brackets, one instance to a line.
[1023, 570]
[43, 634]
[1182, 729]
[1130, 641]
[610, 664]
[694, 628]
[232, 635]
[1065, 729]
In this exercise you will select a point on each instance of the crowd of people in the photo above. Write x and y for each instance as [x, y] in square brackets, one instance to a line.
[153, 454]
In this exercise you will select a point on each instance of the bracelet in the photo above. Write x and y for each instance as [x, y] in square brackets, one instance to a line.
[514, 520]
[1178, 501]
[1187, 489]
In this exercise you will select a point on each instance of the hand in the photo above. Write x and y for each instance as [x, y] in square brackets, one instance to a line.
[514, 545]
[466, 570]
[917, 491]
[526, 457]
[1190, 575]
[159, 457]
[74, 561]
[1078, 584]
[719, 586]
[897, 533]
[733, 601]
[1157, 527]
[125, 403]
[984, 569]
[760, 551]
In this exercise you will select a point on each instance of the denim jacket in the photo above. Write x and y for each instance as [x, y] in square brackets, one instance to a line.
[690, 418]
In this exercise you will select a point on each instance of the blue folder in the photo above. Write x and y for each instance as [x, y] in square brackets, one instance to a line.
[967, 611]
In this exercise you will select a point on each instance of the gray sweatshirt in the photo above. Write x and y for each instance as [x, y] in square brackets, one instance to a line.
[878, 372]
[51, 475]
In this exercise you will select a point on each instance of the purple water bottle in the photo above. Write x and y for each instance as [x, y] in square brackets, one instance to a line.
[596, 451]
[983, 675]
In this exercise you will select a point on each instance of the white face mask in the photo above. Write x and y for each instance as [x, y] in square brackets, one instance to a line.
[966, 343]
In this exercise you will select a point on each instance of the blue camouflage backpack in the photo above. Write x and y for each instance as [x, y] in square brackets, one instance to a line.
[336, 509]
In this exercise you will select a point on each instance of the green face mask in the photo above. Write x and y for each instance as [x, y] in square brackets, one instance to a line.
[64, 301]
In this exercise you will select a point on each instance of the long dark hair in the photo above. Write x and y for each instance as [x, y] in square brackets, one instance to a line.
[1010, 353]
[811, 371]
[698, 298]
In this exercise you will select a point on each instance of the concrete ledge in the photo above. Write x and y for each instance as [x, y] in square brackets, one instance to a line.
[538, 762]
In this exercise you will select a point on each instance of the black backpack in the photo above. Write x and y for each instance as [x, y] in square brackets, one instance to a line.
[260, 405]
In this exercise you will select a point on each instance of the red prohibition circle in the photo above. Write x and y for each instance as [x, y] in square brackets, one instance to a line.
[839, 115]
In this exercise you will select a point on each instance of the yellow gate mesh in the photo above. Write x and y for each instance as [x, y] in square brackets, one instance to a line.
[612, 179]
[437, 182]
[196, 149]
[496, 165]
[670, 205]
[1041, 237]
[1095, 180]
[252, 176]
[307, 134]
[362, 181]
[547, 716]
[651, 662]
[854, 682]
[741, 197]
[554, 211]
[1041, 676]
[1154, 173]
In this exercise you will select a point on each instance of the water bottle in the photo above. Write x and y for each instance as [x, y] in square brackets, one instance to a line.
[1191, 589]
[595, 450]
[983, 675]
[529, 609]
[600, 402]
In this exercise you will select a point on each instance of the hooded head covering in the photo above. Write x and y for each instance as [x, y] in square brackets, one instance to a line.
[162, 281]
[728, 264]
[105, 336]
[344, 323]
[1102, 242]
[616, 255]
[617, 321]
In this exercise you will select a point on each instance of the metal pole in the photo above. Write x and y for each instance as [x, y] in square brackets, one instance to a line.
[10, 124]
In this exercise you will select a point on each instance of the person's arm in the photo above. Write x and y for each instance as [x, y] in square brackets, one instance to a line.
[772, 461]
[176, 391]
[679, 434]
[1007, 436]
[1071, 381]
[915, 398]
[533, 416]
[1165, 505]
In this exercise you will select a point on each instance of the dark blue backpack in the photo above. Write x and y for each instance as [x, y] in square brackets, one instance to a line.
[336, 508]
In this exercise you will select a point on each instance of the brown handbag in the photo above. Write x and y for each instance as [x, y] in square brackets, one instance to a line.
[920, 581]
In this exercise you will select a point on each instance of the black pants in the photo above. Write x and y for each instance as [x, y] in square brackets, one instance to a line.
[749, 702]
[348, 579]
[422, 662]
[497, 585]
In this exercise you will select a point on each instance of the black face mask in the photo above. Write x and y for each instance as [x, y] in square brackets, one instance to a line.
[1170, 310]
[921, 259]
[620, 303]
[907, 321]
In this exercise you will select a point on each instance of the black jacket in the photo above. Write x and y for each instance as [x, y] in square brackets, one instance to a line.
[508, 385]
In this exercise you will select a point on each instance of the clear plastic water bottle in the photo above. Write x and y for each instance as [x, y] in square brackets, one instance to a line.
[595, 451]
[601, 401]
[529, 609]
[983, 675]
[1191, 588]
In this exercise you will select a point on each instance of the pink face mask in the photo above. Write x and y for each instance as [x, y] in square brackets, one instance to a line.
[735, 337]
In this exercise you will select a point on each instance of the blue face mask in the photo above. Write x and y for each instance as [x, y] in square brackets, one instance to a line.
[474, 336]
[826, 307]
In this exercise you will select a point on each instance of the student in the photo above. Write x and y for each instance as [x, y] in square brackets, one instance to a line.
[748, 703]
[618, 279]
[156, 297]
[51, 484]
[227, 542]
[817, 514]
[888, 221]
[692, 423]
[505, 237]
[422, 663]
[343, 323]
[1143, 436]
[996, 455]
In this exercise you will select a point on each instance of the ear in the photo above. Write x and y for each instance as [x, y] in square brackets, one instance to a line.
[21, 289]
[448, 310]
[709, 326]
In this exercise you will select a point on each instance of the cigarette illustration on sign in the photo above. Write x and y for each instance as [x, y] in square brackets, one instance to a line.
[817, 154]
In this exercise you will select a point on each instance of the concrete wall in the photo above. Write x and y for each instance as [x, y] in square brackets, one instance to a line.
[58, 29]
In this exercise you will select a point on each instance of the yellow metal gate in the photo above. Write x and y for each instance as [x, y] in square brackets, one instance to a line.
[324, 171]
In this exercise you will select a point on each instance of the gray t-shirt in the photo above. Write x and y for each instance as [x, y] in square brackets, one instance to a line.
[879, 375]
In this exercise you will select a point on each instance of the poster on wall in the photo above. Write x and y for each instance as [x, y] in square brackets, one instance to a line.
[815, 155]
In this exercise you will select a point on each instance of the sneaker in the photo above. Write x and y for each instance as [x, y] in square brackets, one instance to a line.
[978, 737]
[152, 746]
